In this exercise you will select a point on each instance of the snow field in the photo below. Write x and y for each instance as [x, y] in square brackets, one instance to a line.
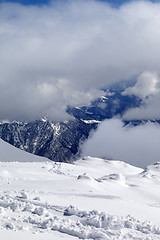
[20, 213]
[90, 199]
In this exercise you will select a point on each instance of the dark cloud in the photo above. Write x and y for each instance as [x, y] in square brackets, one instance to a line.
[59, 54]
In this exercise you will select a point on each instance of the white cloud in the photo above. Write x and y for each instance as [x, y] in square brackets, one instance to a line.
[87, 44]
[149, 110]
[147, 84]
[135, 145]
[148, 89]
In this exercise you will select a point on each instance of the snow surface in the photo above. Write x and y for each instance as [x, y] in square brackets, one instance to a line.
[90, 199]
[9, 153]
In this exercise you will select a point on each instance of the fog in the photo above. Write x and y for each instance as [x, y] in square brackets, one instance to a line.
[138, 146]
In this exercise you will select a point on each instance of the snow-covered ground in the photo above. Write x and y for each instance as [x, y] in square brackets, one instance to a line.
[90, 199]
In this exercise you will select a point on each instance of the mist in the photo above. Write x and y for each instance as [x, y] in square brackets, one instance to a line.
[138, 146]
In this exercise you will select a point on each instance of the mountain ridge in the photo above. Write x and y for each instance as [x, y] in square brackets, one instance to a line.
[61, 141]
[56, 141]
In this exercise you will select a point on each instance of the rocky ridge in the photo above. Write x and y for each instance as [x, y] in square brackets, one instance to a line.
[56, 141]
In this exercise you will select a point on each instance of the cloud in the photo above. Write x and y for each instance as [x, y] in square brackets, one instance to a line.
[148, 89]
[146, 85]
[61, 54]
[138, 146]
[149, 110]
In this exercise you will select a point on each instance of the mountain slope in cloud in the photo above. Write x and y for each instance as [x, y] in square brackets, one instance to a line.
[147, 88]
[112, 103]
[62, 141]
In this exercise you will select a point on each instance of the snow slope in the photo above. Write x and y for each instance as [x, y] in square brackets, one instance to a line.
[91, 199]
[9, 153]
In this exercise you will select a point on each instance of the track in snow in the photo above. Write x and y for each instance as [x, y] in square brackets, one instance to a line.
[22, 211]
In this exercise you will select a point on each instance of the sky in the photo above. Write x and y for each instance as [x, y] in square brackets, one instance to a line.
[115, 3]
[62, 53]
[35, 2]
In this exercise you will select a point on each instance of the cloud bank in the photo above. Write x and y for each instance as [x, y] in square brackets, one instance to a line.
[148, 89]
[138, 146]
[60, 54]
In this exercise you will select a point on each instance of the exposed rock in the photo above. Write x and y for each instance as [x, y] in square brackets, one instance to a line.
[56, 141]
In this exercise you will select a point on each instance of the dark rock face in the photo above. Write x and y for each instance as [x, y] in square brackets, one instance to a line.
[56, 141]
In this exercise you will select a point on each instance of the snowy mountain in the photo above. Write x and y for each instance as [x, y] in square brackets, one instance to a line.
[56, 141]
[9, 153]
[91, 199]
[61, 141]
[111, 104]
